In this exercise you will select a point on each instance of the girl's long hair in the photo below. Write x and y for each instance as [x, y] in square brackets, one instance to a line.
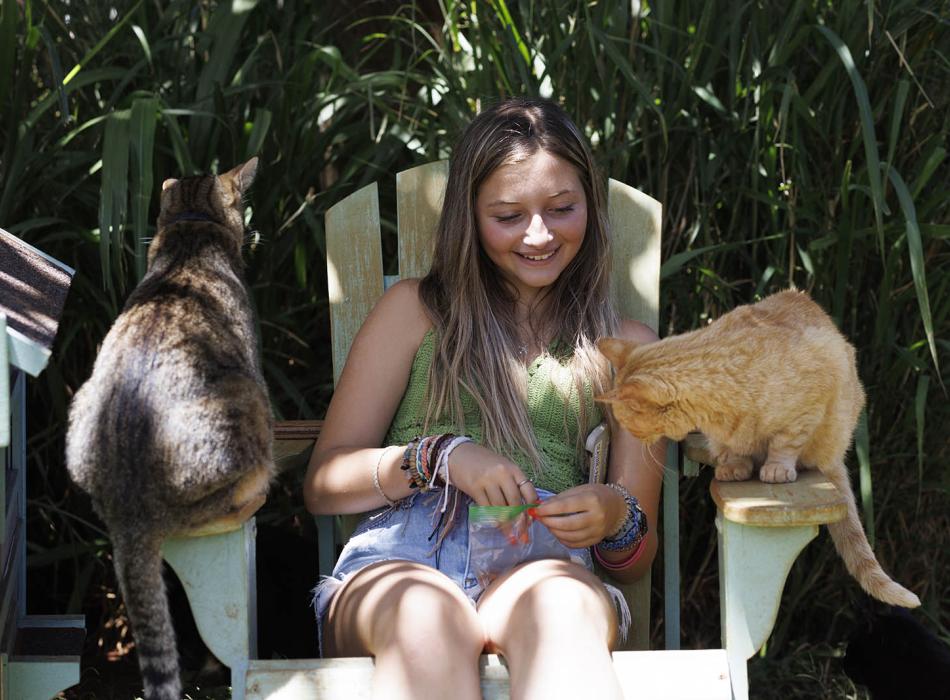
[473, 309]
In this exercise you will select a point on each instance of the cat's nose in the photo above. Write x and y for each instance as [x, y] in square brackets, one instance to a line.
[537, 233]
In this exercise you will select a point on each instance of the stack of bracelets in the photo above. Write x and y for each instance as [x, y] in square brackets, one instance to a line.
[630, 535]
[426, 460]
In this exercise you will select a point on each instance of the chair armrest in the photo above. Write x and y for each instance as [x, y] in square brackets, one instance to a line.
[811, 500]
[293, 442]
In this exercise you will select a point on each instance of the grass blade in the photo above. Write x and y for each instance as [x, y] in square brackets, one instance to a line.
[112, 199]
[8, 43]
[862, 448]
[916, 251]
[920, 413]
[259, 129]
[90, 54]
[142, 141]
[867, 130]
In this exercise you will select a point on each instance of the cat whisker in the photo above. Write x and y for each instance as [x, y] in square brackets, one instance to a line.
[645, 451]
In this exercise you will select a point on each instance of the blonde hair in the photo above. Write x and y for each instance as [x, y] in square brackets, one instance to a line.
[473, 310]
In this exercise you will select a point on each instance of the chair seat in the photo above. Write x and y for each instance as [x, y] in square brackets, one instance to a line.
[668, 675]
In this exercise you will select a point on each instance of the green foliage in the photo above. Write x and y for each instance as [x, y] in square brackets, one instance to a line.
[798, 143]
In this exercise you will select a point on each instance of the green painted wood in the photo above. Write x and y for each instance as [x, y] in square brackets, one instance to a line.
[354, 268]
[16, 520]
[671, 547]
[753, 565]
[679, 675]
[4, 397]
[218, 575]
[635, 230]
[420, 192]
[25, 354]
[40, 677]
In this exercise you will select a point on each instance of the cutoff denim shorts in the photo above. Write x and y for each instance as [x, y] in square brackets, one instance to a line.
[410, 530]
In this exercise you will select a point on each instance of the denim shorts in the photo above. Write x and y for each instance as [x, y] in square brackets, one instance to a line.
[415, 529]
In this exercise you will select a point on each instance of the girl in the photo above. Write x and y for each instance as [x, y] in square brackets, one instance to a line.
[478, 382]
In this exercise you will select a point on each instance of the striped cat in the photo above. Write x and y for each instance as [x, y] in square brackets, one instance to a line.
[771, 385]
[172, 432]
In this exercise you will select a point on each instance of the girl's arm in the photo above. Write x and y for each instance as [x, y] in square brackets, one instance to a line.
[639, 469]
[340, 475]
[582, 516]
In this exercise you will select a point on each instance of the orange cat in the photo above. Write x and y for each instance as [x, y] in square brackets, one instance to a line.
[771, 384]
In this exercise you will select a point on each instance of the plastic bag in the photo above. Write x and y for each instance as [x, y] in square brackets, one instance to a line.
[501, 537]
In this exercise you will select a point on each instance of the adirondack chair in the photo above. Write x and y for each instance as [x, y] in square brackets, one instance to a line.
[761, 527]
[39, 654]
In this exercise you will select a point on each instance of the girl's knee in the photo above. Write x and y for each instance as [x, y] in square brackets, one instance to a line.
[550, 597]
[406, 605]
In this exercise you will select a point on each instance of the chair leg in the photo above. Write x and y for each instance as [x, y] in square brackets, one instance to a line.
[753, 565]
[219, 577]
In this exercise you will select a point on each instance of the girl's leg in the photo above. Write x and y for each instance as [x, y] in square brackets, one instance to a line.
[555, 624]
[422, 630]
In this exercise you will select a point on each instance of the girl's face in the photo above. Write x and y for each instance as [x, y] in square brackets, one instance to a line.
[532, 217]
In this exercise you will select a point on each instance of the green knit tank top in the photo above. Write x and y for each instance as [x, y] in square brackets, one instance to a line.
[555, 420]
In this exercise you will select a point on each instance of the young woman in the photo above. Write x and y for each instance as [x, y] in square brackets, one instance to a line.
[476, 385]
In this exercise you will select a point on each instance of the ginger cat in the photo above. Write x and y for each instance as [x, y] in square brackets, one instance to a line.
[771, 384]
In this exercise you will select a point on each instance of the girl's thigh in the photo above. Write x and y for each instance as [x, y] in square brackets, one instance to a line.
[395, 603]
[548, 597]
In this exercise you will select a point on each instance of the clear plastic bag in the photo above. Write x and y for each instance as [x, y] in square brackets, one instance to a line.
[501, 537]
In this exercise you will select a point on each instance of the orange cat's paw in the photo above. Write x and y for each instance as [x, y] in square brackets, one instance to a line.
[777, 473]
[736, 469]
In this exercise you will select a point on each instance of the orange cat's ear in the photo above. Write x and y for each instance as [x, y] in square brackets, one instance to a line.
[615, 350]
[243, 175]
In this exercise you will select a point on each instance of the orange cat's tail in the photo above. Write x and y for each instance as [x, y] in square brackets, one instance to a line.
[852, 544]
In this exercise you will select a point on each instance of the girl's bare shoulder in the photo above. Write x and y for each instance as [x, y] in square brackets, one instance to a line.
[636, 331]
[400, 311]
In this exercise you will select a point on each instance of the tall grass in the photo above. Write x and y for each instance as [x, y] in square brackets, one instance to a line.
[799, 143]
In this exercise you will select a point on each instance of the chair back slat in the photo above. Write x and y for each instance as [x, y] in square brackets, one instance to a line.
[635, 227]
[354, 268]
[419, 195]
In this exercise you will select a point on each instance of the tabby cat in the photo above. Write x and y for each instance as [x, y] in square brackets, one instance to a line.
[172, 432]
[771, 384]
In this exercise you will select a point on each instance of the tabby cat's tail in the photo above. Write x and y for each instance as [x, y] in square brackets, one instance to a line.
[852, 544]
[138, 564]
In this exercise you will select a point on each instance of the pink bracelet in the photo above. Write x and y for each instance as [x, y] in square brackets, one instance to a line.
[618, 565]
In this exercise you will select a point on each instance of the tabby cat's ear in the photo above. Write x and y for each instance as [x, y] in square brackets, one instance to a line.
[243, 175]
[615, 349]
[170, 182]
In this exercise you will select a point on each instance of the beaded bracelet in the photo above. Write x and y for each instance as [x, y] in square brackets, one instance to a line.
[633, 528]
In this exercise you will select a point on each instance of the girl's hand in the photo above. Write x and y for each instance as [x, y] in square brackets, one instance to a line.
[488, 478]
[584, 515]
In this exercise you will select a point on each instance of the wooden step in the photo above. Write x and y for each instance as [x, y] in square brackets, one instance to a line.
[657, 675]
[46, 656]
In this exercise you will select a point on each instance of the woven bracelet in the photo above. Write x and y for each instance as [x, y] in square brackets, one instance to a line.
[634, 527]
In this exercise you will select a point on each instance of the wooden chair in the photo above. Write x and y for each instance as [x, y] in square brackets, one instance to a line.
[762, 527]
